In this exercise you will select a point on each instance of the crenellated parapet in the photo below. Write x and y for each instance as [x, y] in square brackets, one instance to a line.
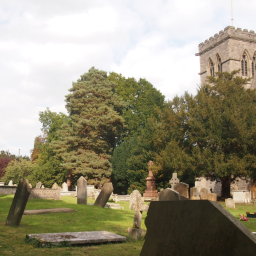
[228, 33]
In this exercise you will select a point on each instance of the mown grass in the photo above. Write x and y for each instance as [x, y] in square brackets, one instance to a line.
[87, 218]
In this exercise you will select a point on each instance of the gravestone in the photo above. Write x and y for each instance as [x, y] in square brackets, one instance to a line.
[182, 188]
[90, 189]
[55, 186]
[1, 183]
[174, 180]
[175, 228]
[137, 204]
[10, 183]
[18, 204]
[104, 195]
[38, 184]
[204, 193]
[194, 194]
[64, 187]
[230, 203]
[30, 185]
[151, 190]
[169, 194]
[212, 197]
[81, 191]
[253, 191]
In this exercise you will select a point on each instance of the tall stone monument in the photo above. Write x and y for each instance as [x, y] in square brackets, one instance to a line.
[104, 195]
[18, 204]
[151, 190]
[81, 190]
[174, 180]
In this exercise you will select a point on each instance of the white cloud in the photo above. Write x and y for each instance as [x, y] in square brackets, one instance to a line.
[45, 45]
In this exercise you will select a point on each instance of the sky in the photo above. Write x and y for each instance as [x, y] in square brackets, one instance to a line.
[46, 45]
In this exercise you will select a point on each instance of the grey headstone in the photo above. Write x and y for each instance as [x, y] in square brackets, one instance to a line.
[104, 195]
[169, 195]
[81, 191]
[38, 184]
[179, 230]
[230, 203]
[182, 189]
[18, 204]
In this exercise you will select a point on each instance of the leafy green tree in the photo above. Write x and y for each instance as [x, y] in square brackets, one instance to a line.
[211, 134]
[95, 126]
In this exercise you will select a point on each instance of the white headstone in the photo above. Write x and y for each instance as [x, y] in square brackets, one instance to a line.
[230, 203]
[64, 187]
[10, 183]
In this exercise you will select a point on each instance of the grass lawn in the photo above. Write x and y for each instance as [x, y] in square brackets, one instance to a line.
[87, 218]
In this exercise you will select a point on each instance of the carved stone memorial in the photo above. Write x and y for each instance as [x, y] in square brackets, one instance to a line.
[174, 180]
[18, 204]
[175, 228]
[104, 195]
[81, 190]
[151, 190]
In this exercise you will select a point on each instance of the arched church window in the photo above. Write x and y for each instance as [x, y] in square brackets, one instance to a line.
[244, 66]
[219, 63]
[211, 68]
[253, 65]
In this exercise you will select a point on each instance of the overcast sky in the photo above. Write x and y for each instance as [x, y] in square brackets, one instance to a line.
[45, 45]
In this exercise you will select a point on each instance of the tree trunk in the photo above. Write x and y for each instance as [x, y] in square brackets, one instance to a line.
[69, 180]
[225, 187]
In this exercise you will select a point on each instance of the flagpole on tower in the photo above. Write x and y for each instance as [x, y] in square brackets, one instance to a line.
[231, 12]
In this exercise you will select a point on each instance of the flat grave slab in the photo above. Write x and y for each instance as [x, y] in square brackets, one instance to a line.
[44, 211]
[74, 238]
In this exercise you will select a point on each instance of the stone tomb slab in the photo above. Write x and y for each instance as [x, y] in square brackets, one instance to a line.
[45, 211]
[78, 238]
[195, 227]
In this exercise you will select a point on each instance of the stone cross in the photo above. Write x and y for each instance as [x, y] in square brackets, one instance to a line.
[81, 190]
[174, 180]
[19, 203]
[137, 204]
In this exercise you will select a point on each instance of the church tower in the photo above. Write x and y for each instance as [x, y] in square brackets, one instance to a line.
[229, 50]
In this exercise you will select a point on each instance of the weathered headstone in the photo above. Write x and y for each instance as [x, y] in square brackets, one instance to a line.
[212, 197]
[204, 193]
[38, 184]
[182, 188]
[151, 190]
[175, 228]
[55, 186]
[18, 204]
[174, 180]
[10, 183]
[104, 195]
[64, 187]
[137, 204]
[81, 190]
[169, 194]
[230, 203]
[194, 194]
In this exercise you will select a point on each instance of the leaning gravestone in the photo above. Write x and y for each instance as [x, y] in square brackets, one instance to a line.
[169, 194]
[18, 204]
[230, 203]
[182, 188]
[137, 204]
[38, 184]
[179, 231]
[104, 195]
[204, 193]
[81, 191]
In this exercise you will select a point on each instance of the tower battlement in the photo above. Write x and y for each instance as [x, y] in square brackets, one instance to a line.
[228, 33]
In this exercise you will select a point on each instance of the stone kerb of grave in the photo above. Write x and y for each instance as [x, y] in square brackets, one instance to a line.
[175, 228]
[137, 204]
[169, 194]
[203, 193]
[230, 203]
[18, 204]
[182, 188]
[104, 195]
[151, 190]
[45, 193]
[174, 180]
[81, 190]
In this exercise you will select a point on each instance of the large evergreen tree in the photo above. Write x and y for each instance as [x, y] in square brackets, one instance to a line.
[95, 126]
[211, 134]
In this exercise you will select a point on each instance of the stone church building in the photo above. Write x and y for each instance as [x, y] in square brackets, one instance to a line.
[229, 50]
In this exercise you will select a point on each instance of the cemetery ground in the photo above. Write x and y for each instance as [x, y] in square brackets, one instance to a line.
[87, 218]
